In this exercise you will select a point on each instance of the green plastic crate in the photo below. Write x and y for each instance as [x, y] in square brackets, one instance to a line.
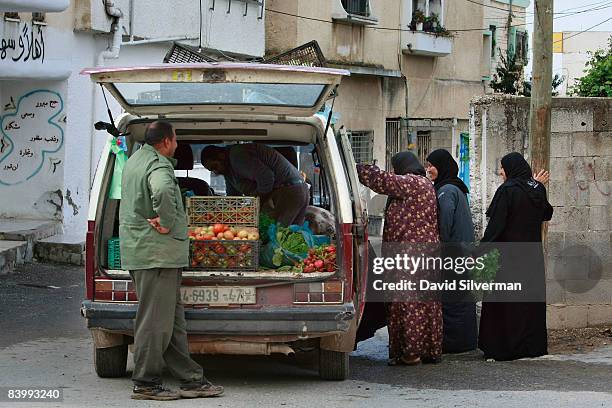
[114, 254]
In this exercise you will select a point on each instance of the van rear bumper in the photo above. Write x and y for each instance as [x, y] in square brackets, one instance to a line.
[266, 321]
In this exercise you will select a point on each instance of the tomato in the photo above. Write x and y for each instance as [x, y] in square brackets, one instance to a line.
[218, 228]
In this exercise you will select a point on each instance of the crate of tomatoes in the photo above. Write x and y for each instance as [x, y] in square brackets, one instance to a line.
[224, 247]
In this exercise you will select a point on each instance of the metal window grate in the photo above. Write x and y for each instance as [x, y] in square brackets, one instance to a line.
[362, 145]
[308, 54]
[423, 144]
[393, 139]
[359, 7]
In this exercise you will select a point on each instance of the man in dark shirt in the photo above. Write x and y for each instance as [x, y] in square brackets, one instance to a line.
[255, 169]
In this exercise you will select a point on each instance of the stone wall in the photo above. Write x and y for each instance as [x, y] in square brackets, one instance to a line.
[579, 257]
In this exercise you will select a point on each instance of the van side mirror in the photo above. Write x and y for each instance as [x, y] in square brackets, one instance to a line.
[109, 127]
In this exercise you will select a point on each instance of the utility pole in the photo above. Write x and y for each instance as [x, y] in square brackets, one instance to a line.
[541, 91]
[509, 52]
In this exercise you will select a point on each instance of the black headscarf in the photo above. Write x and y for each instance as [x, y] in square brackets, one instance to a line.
[519, 174]
[447, 170]
[516, 167]
[405, 163]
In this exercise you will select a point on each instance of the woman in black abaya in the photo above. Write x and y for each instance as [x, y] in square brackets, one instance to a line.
[512, 330]
[457, 236]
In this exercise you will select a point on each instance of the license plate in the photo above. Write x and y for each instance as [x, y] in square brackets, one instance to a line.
[218, 295]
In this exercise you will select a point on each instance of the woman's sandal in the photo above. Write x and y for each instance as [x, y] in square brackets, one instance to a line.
[409, 361]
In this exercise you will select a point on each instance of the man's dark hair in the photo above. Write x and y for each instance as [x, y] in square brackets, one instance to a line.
[157, 131]
[212, 153]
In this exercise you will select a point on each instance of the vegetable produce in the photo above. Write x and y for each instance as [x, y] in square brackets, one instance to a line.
[222, 232]
[291, 241]
[264, 223]
[320, 259]
[223, 254]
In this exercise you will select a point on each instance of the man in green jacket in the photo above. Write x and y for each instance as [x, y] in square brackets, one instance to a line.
[155, 248]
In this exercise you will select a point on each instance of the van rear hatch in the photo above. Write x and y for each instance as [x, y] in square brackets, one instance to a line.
[228, 88]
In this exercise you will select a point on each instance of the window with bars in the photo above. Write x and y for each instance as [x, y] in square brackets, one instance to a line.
[521, 44]
[359, 7]
[393, 140]
[362, 144]
[423, 144]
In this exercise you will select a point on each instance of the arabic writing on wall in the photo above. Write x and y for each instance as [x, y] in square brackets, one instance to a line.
[26, 44]
[31, 129]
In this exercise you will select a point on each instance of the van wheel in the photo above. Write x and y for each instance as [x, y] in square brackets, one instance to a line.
[333, 365]
[111, 362]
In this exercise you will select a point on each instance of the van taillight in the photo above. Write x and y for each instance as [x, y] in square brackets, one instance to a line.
[330, 291]
[115, 290]
[90, 259]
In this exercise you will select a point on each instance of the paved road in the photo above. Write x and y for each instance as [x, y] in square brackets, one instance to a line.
[43, 343]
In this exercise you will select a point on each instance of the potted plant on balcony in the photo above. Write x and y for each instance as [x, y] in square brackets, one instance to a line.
[430, 23]
[418, 18]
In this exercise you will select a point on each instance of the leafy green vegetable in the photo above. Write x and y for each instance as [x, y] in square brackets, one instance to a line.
[293, 242]
[264, 224]
[488, 272]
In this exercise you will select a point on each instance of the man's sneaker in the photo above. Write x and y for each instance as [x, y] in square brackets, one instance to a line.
[156, 392]
[201, 391]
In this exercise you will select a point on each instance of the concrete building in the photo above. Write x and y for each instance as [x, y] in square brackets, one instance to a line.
[49, 149]
[574, 53]
[415, 64]
[505, 35]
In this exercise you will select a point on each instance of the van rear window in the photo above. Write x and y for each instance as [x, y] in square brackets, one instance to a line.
[235, 93]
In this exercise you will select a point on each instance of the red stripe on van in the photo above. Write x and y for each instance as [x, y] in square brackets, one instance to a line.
[90, 259]
[347, 260]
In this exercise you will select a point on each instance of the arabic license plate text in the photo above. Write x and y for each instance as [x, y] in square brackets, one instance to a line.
[221, 295]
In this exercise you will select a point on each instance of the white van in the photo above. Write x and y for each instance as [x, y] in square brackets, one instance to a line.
[226, 104]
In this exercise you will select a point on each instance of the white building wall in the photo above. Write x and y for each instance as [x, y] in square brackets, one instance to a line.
[575, 54]
[47, 160]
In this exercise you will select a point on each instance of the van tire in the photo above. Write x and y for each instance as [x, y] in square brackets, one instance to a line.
[333, 365]
[111, 362]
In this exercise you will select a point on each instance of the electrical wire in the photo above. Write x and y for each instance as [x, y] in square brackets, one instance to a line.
[531, 13]
[585, 5]
[408, 30]
[377, 28]
[559, 16]
[583, 31]
[488, 5]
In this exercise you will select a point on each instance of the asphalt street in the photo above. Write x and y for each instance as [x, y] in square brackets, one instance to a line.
[44, 343]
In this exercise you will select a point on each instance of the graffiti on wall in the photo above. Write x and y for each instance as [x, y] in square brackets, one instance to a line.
[31, 132]
[26, 44]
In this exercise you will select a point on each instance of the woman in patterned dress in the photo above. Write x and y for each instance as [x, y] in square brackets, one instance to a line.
[415, 327]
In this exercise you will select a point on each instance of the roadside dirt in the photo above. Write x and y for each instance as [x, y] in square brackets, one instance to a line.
[570, 341]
